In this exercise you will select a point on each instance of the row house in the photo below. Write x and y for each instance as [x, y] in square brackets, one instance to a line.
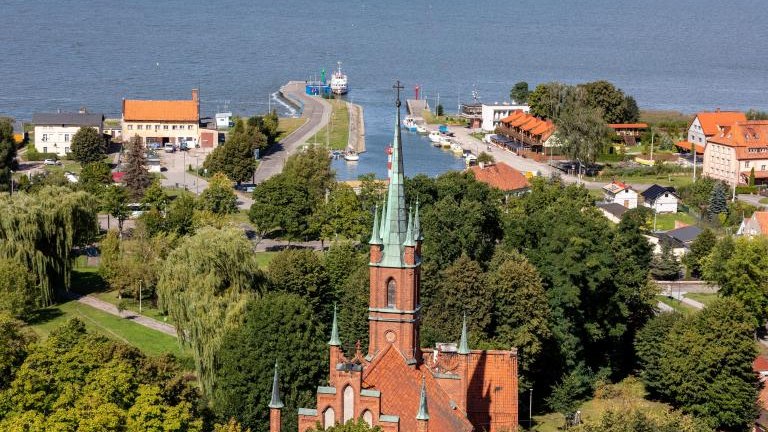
[54, 131]
[737, 150]
[162, 122]
[528, 130]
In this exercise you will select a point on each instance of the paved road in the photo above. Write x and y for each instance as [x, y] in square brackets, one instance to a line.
[127, 314]
[316, 110]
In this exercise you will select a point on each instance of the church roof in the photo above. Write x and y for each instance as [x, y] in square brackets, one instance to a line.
[400, 387]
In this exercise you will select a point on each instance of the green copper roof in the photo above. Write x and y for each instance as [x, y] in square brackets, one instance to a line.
[394, 227]
[417, 225]
[409, 241]
[423, 413]
[335, 341]
[375, 234]
[463, 345]
[275, 403]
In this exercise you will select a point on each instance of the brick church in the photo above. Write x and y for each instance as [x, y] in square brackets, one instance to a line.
[397, 385]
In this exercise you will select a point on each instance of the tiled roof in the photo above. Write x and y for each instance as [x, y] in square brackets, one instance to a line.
[68, 119]
[713, 121]
[529, 123]
[161, 110]
[615, 187]
[760, 364]
[749, 138]
[628, 125]
[758, 174]
[501, 176]
[687, 146]
[761, 217]
[400, 387]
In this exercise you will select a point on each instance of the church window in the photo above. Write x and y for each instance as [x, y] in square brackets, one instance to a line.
[349, 404]
[391, 294]
[329, 418]
[368, 417]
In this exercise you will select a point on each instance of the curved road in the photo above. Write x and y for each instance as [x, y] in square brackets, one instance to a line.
[315, 109]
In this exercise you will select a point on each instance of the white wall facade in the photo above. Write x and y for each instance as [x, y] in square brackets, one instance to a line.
[492, 114]
[55, 139]
[626, 198]
[696, 133]
[172, 132]
[665, 203]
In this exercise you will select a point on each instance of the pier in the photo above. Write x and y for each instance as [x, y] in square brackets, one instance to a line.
[416, 107]
[356, 127]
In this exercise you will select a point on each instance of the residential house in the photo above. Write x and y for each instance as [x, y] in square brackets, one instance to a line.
[760, 367]
[531, 132]
[755, 225]
[620, 193]
[54, 131]
[629, 132]
[493, 114]
[162, 122]
[502, 177]
[662, 199]
[738, 149]
[707, 124]
[679, 239]
[613, 211]
[223, 120]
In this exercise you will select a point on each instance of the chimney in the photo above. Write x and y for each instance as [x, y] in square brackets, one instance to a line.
[482, 165]
[195, 95]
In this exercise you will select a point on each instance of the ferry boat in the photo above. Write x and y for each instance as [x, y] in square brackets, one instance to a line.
[339, 82]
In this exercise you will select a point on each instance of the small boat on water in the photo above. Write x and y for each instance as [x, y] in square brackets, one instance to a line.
[351, 156]
[445, 142]
[434, 136]
[422, 130]
[456, 148]
[409, 124]
[339, 84]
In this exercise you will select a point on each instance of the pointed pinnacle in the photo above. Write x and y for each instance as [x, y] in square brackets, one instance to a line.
[335, 341]
[417, 225]
[423, 413]
[409, 231]
[275, 403]
[463, 345]
[375, 234]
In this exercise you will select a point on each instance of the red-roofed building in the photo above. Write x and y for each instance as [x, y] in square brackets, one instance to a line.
[501, 176]
[163, 121]
[397, 385]
[531, 132]
[706, 124]
[739, 148]
[620, 193]
[756, 225]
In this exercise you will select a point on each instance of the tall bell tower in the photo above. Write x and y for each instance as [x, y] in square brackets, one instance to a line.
[394, 309]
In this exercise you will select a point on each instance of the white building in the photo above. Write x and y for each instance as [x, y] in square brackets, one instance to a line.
[620, 193]
[492, 114]
[661, 199]
[54, 131]
[223, 119]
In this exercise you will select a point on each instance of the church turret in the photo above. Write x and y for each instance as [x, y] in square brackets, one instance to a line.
[335, 344]
[375, 241]
[422, 416]
[394, 310]
[275, 405]
[463, 343]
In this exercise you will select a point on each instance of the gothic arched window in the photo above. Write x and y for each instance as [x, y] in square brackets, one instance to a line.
[391, 294]
[329, 418]
[368, 417]
[349, 404]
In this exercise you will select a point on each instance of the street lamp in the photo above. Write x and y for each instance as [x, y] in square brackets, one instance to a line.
[11, 180]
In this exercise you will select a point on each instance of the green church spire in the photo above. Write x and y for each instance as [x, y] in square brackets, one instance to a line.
[335, 341]
[275, 403]
[375, 235]
[423, 413]
[463, 345]
[409, 232]
[417, 225]
[394, 228]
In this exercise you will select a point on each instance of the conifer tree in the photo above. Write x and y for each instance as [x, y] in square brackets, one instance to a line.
[717, 201]
[136, 178]
[665, 266]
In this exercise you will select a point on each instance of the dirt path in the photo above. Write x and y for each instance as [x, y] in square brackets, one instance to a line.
[127, 314]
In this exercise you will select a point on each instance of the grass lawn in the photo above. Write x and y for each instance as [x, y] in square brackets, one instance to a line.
[675, 304]
[286, 125]
[763, 201]
[705, 298]
[444, 119]
[66, 165]
[264, 258]
[241, 217]
[666, 221]
[339, 127]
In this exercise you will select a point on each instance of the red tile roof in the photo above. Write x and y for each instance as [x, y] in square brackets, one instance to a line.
[712, 122]
[161, 110]
[530, 124]
[760, 364]
[400, 387]
[762, 219]
[628, 125]
[749, 138]
[501, 176]
[758, 174]
[687, 146]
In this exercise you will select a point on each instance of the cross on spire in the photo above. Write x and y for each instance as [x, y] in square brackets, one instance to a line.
[397, 88]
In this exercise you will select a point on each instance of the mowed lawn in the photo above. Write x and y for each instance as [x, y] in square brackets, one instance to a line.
[338, 126]
[666, 221]
[286, 125]
[676, 304]
[705, 298]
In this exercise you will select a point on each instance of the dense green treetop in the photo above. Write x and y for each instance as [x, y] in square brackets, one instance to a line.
[301, 272]
[520, 92]
[18, 294]
[95, 177]
[7, 153]
[219, 197]
[88, 145]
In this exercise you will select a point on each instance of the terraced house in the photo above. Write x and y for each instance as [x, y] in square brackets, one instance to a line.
[162, 121]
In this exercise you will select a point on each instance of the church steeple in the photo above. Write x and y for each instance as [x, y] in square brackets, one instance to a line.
[463, 344]
[335, 341]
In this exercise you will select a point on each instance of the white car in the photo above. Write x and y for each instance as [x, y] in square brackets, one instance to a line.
[51, 162]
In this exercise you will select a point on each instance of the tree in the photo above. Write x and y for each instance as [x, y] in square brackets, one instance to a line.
[42, 230]
[136, 176]
[611, 101]
[15, 340]
[219, 197]
[341, 216]
[204, 287]
[700, 248]
[301, 272]
[179, 218]
[520, 92]
[634, 419]
[7, 153]
[647, 347]
[249, 353]
[18, 294]
[717, 201]
[155, 197]
[235, 158]
[354, 299]
[151, 412]
[460, 289]
[740, 268]
[95, 177]
[282, 202]
[752, 177]
[312, 167]
[706, 365]
[440, 110]
[581, 129]
[484, 157]
[88, 145]
[115, 203]
[546, 99]
[665, 266]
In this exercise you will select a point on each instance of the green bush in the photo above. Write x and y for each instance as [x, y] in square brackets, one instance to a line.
[746, 189]
[34, 155]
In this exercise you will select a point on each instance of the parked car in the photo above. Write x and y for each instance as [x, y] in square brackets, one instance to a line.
[169, 148]
[51, 162]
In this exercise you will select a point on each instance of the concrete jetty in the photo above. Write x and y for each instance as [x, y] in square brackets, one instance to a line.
[416, 107]
[356, 127]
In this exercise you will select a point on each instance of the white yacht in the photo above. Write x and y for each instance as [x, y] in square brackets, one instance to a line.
[434, 136]
[339, 82]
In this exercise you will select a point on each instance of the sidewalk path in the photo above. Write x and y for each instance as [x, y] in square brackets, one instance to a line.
[127, 314]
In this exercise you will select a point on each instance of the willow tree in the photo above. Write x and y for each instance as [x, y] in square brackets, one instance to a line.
[40, 231]
[205, 286]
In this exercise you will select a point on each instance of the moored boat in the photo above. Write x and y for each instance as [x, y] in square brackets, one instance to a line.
[409, 123]
[339, 84]
[456, 148]
[351, 156]
[422, 130]
[434, 136]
